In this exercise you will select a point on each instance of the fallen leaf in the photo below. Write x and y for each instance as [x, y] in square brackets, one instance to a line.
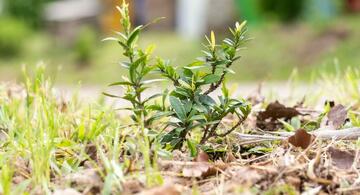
[202, 157]
[202, 168]
[163, 190]
[340, 158]
[276, 110]
[301, 138]
[267, 119]
[337, 116]
[197, 170]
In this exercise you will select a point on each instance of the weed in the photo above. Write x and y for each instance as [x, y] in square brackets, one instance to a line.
[191, 106]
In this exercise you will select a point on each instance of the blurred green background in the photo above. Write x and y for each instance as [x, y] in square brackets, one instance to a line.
[307, 35]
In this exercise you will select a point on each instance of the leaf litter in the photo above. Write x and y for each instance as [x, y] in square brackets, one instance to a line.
[337, 116]
[268, 119]
[303, 161]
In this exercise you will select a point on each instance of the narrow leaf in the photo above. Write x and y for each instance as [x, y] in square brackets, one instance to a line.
[178, 107]
[120, 83]
[134, 35]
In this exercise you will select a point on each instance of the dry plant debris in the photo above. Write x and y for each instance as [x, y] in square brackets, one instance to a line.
[337, 116]
[301, 138]
[268, 119]
[340, 158]
[86, 149]
[323, 161]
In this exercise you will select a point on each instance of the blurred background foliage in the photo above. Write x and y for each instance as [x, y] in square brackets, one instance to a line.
[28, 11]
[307, 35]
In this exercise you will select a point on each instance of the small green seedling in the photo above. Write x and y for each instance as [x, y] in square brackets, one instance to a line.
[188, 105]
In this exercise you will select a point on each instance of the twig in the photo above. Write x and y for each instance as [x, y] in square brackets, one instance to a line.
[213, 86]
[241, 120]
[342, 134]
[249, 137]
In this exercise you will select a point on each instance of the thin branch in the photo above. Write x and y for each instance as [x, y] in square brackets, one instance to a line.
[211, 133]
[206, 130]
[213, 86]
[241, 120]
[342, 134]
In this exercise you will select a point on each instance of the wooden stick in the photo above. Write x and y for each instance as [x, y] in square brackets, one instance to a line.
[342, 134]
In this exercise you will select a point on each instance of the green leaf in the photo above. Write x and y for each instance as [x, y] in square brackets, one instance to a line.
[295, 122]
[134, 66]
[180, 93]
[207, 100]
[173, 134]
[192, 147]
[121, 83]
[123, 45]
[187, 104]
[110, 95]
[197, 117]
[194, 67]
[110, 39]
[122, 35]
[178, 108]
[185, 84]
[163, 153]
[154, 107]
[125, 64]
[153, 96]
[229, 71]
[134, 34]
[212, 39]
[160, 115]
[211, 78]
[203, 124]
[288, 126]
[225, 90]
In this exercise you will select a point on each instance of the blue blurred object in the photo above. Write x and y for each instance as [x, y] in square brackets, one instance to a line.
[321, 9]
[140, 7]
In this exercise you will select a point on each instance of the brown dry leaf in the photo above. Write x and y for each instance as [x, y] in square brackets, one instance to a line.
[340, 158]
[337, 116]
[202, 157]
[301, 139]
[268, 119]
[202, 167]
[91, 151]
[163, 190]
[68, 191]
[276, 110]
[197, 170]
